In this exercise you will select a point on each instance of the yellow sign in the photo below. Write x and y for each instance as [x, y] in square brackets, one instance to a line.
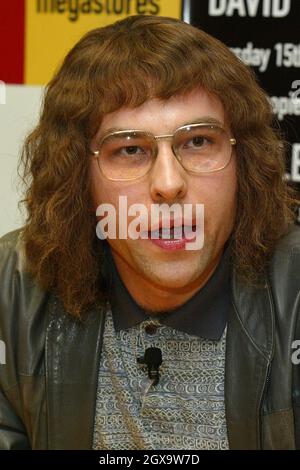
[54, 26]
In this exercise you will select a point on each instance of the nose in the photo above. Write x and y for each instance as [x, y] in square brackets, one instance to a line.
[168, 180]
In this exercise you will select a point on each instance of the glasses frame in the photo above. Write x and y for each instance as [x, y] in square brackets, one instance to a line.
[232, 141]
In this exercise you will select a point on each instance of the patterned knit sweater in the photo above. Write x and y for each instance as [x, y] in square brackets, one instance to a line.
[184, 411]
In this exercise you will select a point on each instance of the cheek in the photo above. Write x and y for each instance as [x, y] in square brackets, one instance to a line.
[106, 191]
[218, 194]
[101, 188]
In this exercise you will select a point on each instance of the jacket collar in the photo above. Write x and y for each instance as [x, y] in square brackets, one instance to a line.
[73, 352]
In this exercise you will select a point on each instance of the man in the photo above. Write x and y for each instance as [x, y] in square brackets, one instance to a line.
[118, 341]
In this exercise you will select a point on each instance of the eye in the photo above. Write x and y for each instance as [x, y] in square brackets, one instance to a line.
[197, 141]
[131, 150]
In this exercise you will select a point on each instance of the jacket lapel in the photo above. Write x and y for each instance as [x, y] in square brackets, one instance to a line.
[72, 360]
[249, 350]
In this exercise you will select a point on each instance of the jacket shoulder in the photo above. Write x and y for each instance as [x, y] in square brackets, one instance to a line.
[285, 263]
[285, 272]
[291, 240]
[10, 237]
[9, 246]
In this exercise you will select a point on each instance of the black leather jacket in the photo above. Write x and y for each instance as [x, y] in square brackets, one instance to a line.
[49, 382]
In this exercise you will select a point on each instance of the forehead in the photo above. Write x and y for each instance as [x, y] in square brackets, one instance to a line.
[165, 116]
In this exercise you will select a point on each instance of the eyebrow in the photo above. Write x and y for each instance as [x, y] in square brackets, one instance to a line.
[200, 120]
[208, 119]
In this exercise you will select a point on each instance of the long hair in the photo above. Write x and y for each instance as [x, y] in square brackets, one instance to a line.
[125, 64]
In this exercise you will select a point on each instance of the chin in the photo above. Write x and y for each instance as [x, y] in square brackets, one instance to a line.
[173, 279]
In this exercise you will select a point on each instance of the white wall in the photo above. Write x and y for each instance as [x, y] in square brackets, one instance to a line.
[18, 116]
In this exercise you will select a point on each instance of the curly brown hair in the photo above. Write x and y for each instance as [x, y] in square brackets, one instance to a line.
[125, 64]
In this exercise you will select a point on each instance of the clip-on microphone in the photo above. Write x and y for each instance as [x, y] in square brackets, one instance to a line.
[153, 359]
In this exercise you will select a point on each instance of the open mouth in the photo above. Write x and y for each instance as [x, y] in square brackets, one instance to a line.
[173, 233]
